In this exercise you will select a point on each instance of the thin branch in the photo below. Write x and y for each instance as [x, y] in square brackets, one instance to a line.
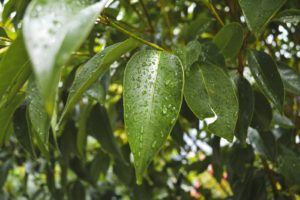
[212, 8]
[270, 177]
[104, 20]
[147, 15]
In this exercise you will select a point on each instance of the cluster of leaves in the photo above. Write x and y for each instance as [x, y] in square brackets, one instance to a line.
[90, 108]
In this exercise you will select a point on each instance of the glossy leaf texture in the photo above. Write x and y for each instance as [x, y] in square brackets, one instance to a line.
[290, 78]
[264, 70]
[289, 16]
[259, 12]
[14, 69]
[153, 92]
[193, 51]
[230, 39]
[204, 88]
[246, 109]
[53, 29]
[37, 115]
[94, 68]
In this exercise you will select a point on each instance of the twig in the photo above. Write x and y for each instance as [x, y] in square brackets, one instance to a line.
[147, 15]
[104, 20]
[212, 8]
[270, 176]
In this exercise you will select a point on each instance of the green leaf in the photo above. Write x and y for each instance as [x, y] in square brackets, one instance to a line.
[289, 165]
[21, 129]
[210, 53]
[77, 191]
[259, 12]
[289, 16]
[6, 113]
[290, 78]
[246, 109]
[4, 169]
[14, 69]
[209, 92]
[53, 29]
[264, 143]
[85, 110]
[38, 117]
[98, 166]
[94, 68]
[262, 115]
[193, 51]
[230, 39]
[153, 91]
[99, 126]
[282, 121]
[264, 70]
[199, 25]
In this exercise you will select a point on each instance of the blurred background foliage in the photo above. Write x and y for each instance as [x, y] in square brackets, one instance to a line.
[193, 163]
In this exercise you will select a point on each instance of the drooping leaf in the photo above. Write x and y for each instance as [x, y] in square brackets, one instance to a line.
[77, 191]
[6, 113]
[246, 109]
[209, 92]
[99, 126]
[153, 91]
[14, 69]
[264, 70]
[259, 12]
[262, 115]
[289, 16]
[264, 143]
[290, 78]
[53, 30]
[38, 117]
[21, 129]
[230, 39]
[94, 68]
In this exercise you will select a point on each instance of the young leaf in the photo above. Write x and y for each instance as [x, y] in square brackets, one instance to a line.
[6, 113]
[53, 29]
[209, 92]
[153, 91]
[289, 16]
[98, 125]
[230, 39]
[264, 70]
[290, 78]
[14, 69]
[94, 68]
[259, 12]
[246, 108]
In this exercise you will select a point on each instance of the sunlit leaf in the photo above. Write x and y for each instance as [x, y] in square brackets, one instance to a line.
[53, 29]
[259, 12]
[153, 91]
[204, 89]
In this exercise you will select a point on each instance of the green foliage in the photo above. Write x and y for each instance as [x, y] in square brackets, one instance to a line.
[195, 99]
